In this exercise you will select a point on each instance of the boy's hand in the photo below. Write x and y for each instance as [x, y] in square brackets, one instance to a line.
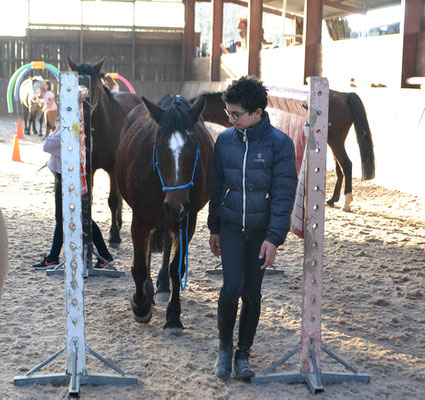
[215, 244]
[267, 251]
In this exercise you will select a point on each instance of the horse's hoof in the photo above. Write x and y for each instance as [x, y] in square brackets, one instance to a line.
[346, 208]
[330, 203]
[162, 297]
[141, 319]
[168, 332]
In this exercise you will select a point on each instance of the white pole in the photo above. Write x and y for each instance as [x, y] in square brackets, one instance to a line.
[284, 23]
[72, 222]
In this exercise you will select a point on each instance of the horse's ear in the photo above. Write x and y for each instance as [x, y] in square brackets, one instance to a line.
[193, 99]
[98, 66]
[197, 108]
[155, 111]
[71, 64]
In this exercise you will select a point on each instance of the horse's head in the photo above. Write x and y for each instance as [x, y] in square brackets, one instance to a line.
[92, 71]
[176, 149]
[37, 88]
[214, 108]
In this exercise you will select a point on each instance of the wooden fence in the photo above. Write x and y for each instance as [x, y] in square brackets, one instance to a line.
[151, 59]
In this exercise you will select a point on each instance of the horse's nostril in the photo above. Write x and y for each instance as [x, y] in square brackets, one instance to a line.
[176, 214]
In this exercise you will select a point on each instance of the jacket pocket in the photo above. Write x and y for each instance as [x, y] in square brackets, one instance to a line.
[225, 195]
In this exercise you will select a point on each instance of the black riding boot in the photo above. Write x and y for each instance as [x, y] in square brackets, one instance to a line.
[247, 327]
[226, 316]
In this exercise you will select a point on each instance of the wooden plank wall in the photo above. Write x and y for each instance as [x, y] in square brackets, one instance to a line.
[158, 57]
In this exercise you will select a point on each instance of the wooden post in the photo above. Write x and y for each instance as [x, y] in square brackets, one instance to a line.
[133, 44]
[81, 55]
[315, 178]
[217, 38]
[410, 28]
[255, 36]
[313, 12]
[189, 37]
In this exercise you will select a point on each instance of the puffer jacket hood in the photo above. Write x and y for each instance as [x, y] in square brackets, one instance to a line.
[254, 180]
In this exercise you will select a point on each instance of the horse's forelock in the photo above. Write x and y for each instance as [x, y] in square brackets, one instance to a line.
[176, 116]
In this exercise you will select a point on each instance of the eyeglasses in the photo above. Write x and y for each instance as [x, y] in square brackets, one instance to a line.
[234, 114]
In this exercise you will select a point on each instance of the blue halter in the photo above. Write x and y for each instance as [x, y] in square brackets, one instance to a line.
[166, 188]
[156, 167]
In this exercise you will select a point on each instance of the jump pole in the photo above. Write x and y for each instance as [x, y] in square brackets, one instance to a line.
[315, 189]
[76, 372]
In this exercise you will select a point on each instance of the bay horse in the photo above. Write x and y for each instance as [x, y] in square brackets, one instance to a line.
[31, 91]
[162, 169]
[344, 110]
[3, 252]
[107, 117]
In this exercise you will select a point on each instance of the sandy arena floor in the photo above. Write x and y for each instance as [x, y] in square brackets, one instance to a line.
[373, 308]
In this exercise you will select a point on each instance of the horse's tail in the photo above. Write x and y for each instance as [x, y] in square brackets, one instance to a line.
[364, 136]
[157, 239]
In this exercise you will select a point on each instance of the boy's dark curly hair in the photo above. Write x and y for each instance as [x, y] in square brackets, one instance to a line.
[248, 91]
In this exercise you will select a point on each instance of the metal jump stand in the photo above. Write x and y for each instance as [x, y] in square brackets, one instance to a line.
[76, 373]
[89, 270]
[315, 178]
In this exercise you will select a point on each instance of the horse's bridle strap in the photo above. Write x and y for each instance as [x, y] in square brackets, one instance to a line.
[167, 188]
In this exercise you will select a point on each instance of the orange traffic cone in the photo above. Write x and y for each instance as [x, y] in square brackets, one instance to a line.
[20, 134]
[16, 155]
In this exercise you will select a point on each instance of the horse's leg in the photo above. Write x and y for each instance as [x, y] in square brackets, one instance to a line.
[33, 118]
[115, 204]
[142, 302]
[163, 281]
[40, 133]
[337, 190]
[27, 121]
[173, 325]
[346, 165]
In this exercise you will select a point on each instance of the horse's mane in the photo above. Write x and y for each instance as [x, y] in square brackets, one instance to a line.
[176, 115]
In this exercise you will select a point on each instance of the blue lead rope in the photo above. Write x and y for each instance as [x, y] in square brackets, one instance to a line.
[183, 286]
[164, 189]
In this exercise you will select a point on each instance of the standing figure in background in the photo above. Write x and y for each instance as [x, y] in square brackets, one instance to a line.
[52, 145]
[50, 109]
[109, 82]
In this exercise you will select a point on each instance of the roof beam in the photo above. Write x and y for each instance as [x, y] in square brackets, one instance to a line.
[339, 6]
[242, 3]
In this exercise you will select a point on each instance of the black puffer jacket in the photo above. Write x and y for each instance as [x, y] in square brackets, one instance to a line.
[254, 180]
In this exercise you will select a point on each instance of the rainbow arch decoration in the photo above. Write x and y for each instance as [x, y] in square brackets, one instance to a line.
[16, 79]
[115, 75]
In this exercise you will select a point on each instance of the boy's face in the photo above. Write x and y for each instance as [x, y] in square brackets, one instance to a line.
[241, 118]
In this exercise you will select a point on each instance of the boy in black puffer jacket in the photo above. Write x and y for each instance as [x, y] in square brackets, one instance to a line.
[253, 186]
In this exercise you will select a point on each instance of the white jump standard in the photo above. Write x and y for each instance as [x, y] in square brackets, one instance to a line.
[315, 181]
[76, 373]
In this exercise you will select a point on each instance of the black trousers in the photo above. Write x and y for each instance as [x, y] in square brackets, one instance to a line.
[242, 276]
[58, 234]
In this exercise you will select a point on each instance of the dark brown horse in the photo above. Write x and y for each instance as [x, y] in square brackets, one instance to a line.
[162, 169]
[107, 118]
[344, 110]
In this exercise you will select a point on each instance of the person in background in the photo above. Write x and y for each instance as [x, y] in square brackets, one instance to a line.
[49, 107]
[253, 185]
[109, 82]
[52, 145]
